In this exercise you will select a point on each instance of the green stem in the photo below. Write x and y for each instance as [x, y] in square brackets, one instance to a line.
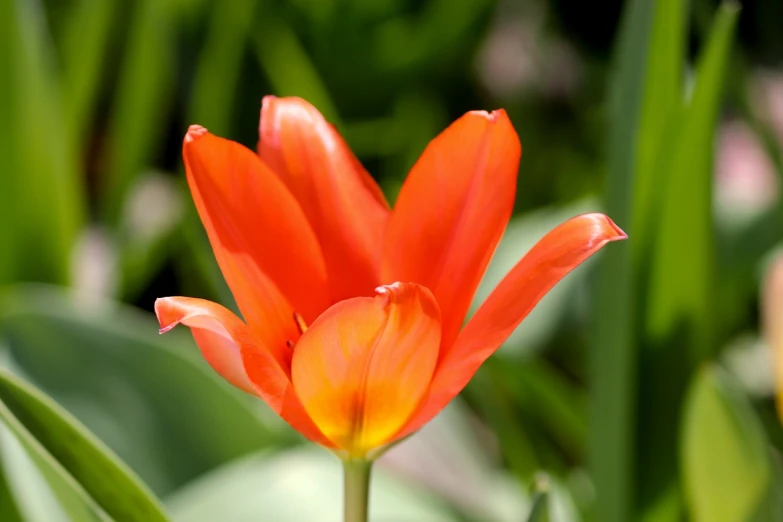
[357, 489]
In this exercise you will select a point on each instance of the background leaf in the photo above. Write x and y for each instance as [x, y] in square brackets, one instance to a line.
[74, 454]
[719, 421]
[171, 417]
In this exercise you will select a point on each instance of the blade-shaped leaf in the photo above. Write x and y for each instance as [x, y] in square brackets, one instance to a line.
[40, 192]
[726, 461]
[219, 67]
[86, 46]
[539, 510]
[74, 455]
[145, 82]
[612, 355]
[9, 509]
[683, 257]
[35, 490]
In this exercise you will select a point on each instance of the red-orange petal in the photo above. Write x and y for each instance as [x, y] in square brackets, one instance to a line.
[452, 210]
[260, 236]
[363, 367]
[554, 256]
[223, 339]
[343, 204]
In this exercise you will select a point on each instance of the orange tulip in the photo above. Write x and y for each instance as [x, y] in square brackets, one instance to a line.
[353, 312]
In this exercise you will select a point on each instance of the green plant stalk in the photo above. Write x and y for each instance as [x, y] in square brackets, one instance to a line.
[356, 475]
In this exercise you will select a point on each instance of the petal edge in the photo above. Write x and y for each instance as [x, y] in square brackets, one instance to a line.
[551, 259]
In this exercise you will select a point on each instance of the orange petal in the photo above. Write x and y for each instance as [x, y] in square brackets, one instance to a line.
[345, 207]
[452, 210]
[362, 368]
[261, 239]
[223, 340]
[554, 256]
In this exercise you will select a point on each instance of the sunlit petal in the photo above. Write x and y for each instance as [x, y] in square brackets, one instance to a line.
[261, 239]
[363, 367]
[452, 210]
[343, 204]
[554, 256]
[227, 344]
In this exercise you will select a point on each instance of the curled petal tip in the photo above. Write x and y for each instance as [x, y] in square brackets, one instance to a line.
[618, 233]
[164, 318]
[601, 225]
[386, 289]
[492, 117]
[167, 328]
[194, 132]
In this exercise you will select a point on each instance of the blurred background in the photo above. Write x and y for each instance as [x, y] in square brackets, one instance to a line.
[641, 388]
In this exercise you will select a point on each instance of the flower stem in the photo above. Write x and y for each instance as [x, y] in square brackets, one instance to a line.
[357, 489]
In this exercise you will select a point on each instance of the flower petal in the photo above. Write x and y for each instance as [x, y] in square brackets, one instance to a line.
[363, 367]
[223, 340]
[261, 239]
[554, 256]
[452, 210]
[345, 207]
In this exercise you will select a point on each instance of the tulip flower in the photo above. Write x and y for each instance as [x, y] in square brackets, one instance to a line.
[353, 312]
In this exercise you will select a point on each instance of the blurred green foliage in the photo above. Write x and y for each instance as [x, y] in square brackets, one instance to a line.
[632, 386]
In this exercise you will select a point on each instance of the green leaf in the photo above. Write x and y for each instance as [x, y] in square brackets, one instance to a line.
[39, 189]
[683, 257]
[661, 98]
[547, 399]
[218, 70]
[28, 486]
[9, 510]
[145, 83]
[539, 509]
[498, 409]
[659, 187]
[612, 355]
[289, 68]
[85, 48]
[151, 398]
[726, 460]
[63, 448]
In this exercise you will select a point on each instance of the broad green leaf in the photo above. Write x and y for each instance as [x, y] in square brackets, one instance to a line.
[297, 485]
[39, 188]
[28, 487]
[726, 461]
[50, 433]
[9, 509]
[150, 397]
[683, 256]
